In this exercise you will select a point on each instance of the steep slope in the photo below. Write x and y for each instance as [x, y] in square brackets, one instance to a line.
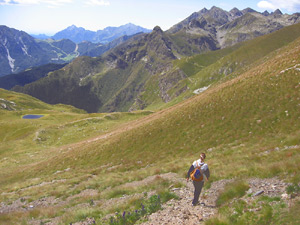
[248, 125]
[13, 101]
[201, 71]
[19, 51]
[28, 76]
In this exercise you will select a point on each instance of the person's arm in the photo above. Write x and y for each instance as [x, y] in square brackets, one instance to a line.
[206, 172]
[189, 172]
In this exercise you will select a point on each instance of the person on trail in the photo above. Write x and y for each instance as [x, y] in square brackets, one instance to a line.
[198, 182]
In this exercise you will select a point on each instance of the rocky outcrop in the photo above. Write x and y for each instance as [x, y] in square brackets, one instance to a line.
[229, 28]
[7, 105]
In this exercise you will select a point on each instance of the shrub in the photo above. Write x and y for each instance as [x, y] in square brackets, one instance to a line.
[294, 188]
[150, 206]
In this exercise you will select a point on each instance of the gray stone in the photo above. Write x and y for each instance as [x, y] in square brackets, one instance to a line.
[258, 193]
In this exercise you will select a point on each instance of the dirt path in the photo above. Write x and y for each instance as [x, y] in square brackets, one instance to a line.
[174, 211]
[182, 212]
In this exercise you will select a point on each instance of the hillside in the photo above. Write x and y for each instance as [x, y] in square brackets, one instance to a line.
[247, 122]
[202, 71]
[18, 51]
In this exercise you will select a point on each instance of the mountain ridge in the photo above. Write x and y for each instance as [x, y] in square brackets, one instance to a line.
[108, 34]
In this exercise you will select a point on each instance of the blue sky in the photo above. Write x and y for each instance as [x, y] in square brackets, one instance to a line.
[51, 16]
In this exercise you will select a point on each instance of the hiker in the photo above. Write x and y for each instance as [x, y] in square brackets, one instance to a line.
[198, 182]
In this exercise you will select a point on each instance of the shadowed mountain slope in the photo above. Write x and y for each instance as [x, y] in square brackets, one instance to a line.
[28, 76]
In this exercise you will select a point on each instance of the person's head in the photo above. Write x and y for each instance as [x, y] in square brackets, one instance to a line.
[202, 156]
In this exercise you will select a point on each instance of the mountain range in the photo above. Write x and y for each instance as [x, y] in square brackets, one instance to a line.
[19, 51]
[108, 34]
[143, 71]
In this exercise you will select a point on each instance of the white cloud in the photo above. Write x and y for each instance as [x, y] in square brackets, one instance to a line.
[266, 5]
[98, 2]
[34, 2]
[289, 5]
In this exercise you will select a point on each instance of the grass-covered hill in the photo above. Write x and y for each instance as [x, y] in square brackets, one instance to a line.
[79, 164]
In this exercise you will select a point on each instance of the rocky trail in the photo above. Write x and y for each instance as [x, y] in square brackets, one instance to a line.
[174, 211]
[182, 212]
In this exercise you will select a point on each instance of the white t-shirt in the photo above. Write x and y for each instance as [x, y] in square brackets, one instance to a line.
[203, 167]
[201, 164]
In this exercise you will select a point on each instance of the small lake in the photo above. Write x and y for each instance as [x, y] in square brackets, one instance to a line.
[32, 116]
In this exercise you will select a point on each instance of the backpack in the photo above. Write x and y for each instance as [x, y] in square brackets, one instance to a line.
[197, 174]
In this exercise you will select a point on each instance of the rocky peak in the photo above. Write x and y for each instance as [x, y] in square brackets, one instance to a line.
[198, 23]
[157, 29]
[235, 12]
[248, 10]
[72, 27]
[266, 13]
[277, 12]
[216, 11]
[219, 15]
[203, 11]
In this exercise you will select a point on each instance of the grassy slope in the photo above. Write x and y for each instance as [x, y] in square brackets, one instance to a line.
[260, 108]
[209, 68]
[24, 142]
[239, 119]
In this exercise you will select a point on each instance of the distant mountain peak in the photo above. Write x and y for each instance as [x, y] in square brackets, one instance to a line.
[72, 27]
[214, 8]
[108, 34]
[277, 12]
[204, 10]
[266, 13]
[248, 10]
[235, 12]
[157, 29]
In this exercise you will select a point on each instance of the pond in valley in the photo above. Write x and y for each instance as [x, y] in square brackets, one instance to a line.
[32, 116]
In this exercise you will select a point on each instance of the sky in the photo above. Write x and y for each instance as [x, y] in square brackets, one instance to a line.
[51, 16]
